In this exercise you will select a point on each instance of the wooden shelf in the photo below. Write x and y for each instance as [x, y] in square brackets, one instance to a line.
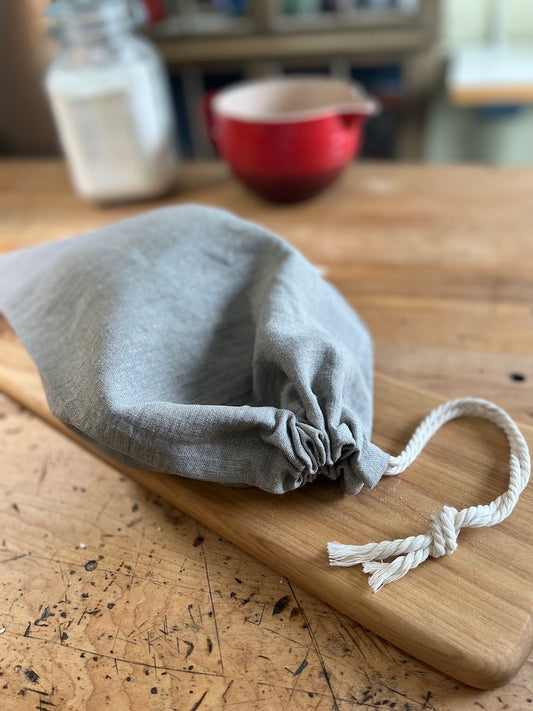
[349, 43]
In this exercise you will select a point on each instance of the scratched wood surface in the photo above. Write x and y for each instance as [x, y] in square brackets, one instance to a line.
[112, 598]
[387, 272]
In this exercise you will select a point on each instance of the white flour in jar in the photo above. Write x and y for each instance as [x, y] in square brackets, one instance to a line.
[116, 128]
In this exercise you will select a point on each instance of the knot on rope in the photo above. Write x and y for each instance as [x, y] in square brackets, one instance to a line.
[443, 532]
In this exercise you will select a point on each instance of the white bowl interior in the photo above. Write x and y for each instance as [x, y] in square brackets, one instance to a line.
[291, 97]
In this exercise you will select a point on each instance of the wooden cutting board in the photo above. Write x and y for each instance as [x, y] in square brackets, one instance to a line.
[468, 614]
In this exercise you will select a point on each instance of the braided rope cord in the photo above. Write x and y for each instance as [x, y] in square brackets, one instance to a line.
[445, 526]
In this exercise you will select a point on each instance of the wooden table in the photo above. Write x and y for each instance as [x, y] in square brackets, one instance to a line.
[111, 598]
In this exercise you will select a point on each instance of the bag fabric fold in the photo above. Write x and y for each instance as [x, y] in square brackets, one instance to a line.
[191, 342]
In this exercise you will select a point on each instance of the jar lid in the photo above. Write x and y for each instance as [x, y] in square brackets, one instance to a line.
[94, 12]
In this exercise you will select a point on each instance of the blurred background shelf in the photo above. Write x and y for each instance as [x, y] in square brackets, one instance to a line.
[398, 50]
[387, 46]
[183, 17]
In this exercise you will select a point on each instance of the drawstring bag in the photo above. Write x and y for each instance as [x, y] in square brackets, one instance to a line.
[190, 342]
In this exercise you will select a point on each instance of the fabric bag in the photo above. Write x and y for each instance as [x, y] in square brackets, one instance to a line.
[191, 342]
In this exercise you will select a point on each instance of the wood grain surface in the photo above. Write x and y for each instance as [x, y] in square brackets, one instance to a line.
[385, 279]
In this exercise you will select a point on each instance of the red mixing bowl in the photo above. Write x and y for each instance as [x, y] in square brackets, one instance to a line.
[288, 138]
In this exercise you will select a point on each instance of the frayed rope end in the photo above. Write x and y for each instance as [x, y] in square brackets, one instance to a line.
[345, 555]
[381, 573]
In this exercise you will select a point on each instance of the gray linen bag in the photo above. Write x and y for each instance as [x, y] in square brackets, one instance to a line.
[191, 342]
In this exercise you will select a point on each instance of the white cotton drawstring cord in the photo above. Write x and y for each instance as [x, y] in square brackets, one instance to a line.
[444, 527]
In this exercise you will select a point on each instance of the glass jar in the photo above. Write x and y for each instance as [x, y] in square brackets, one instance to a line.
[110, 101]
